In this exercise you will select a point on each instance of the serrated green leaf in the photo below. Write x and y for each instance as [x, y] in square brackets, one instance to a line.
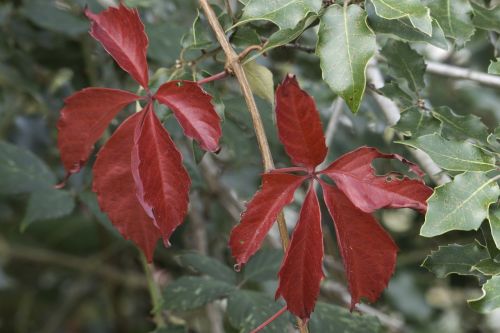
[248, 309]
[486, 18]
[454, 16]
[415, 122]
[332, 318]
[405, 63]
[21, 171]
[209, 266]
[494, 218]
[454, 126]
[191, 292]
[490, 300]
[488, 267]
[261, 81]
[403, 29]
[345, 45]
[494, 67]
[414, 10]
[286, 14]
[461, 204]
[198, 36]
[47, 204]
[263, 266]
[453, 155]
[455, 259]
[404, 99]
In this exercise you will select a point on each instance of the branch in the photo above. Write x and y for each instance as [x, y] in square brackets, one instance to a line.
[233, 64]
[463, 73]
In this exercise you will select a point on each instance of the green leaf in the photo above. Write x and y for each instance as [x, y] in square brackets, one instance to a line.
[454, 16]
[461, 204]
[345, 46]
[248, 309]
[263, 266]
[191, 292]
[21, 171]
[404, 99]
[494, 218]
[89, 199]
[405, 63]
[414, 10]
[485, 18]
[415, 122]
[454, 126]
[455, 259]
[245, 37]
[47, 204]
[490, 300]
[286, 14]
[453, 155]
[403, 29]
[198, 36]
[261, 81]
[494, 67]
[488, 267]
[209, 266]
[332, 318]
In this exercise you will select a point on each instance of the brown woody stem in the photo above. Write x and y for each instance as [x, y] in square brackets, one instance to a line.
[233, 63]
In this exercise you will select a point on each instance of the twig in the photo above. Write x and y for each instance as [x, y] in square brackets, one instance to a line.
[233, 63]
[463, 73]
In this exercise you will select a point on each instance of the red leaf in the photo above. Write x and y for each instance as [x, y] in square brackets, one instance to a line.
[83, 119]
[301, 271]
[162, 182]
[193, 109]
[354, 175]
[299, 125]
[261, 212]
[121, 33]
[368, 252]
[115, 188]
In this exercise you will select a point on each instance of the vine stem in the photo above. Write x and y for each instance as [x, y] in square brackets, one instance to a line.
[154, 292]
[233, 64]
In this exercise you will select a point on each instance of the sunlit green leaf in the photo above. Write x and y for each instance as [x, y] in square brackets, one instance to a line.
[454, 16]
[414, 10]
[490, 300]
[486, 18]
[454, 126]
[415, 122]
[261, 81]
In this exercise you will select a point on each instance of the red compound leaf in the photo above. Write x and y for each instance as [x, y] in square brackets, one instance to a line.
[193, 108]
[121, 32]
[84, 118]
[354, 175]
[299, 125]
[261, 212]
[301, 271]
[368, 252]
[162, 182]
[115, 188]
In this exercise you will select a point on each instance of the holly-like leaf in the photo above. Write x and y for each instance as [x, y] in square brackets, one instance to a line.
[415, 122]
[83, 120]
[487, 267]
[47, 204]
[453, 155]
[494, 67]
[261, 81]
[162, 182]
[486, 18]
[345, 45]
[454, 126]
[414, 10]
[494, 218]
[115, 188]
[299, 125]
[455, 259]
[460, 205]
[193, 108]
[404, 30]
[454, 16]
[261, 212]
[405, 63]
[368, 252]
[354, 174]
[286, 14]
[121, 33]
[490, 300]
[301, 272]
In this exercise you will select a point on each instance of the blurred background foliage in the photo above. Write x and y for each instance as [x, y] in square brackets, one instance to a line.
[63, 268]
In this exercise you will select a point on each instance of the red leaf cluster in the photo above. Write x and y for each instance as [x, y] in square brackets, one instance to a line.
[368, 252]
[139, 176]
